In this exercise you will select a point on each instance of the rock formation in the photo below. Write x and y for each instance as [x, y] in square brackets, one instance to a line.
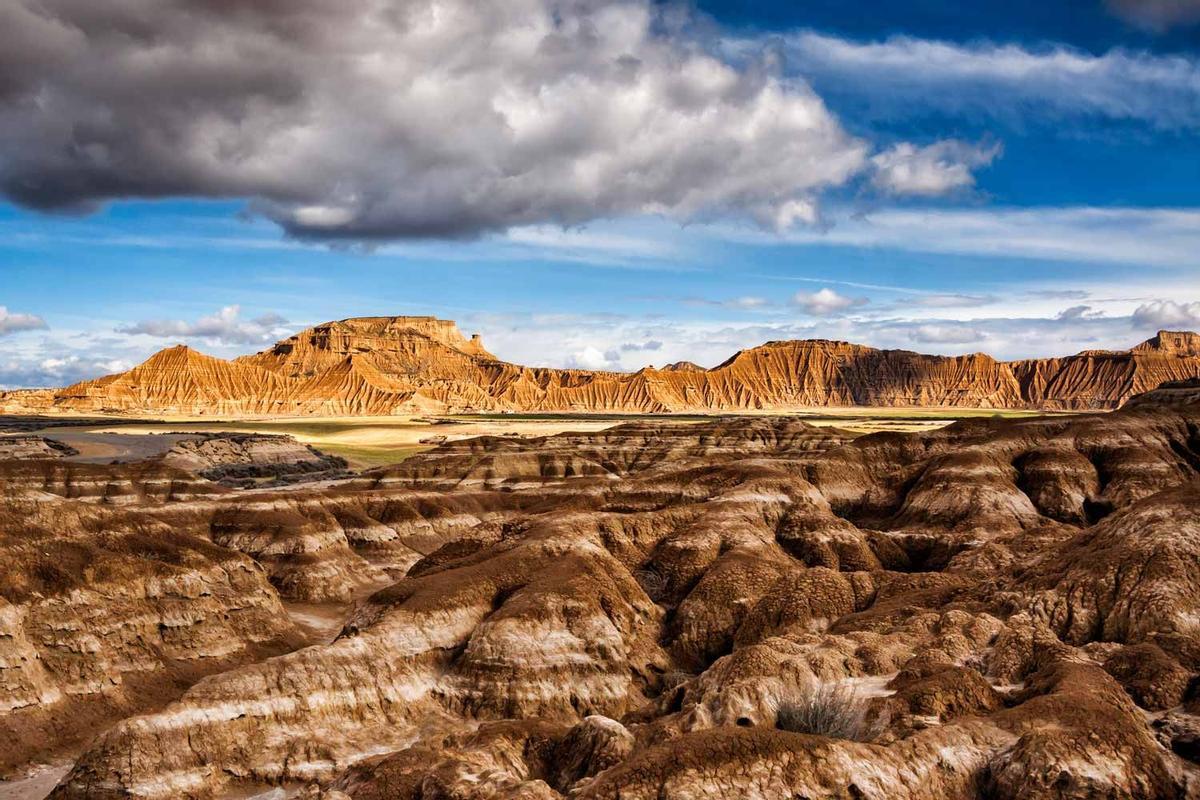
[253, 459]
[397, 365]
[744, 607]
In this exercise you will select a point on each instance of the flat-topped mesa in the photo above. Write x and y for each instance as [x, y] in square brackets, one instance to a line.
[1180, 343]
[404, 365]
[405, 345]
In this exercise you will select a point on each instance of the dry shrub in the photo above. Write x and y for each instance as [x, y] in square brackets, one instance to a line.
[828, 709]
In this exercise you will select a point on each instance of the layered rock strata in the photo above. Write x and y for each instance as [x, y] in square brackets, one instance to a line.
[403, 365]
[997, 609]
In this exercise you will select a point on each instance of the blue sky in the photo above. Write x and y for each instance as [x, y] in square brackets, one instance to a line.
[1021, 180]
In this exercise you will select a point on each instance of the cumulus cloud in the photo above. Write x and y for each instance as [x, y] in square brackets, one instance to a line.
[372, 119]
[936, 169]
[947, 333]
[13, 322]
[1167, 314]
[1157, 15]
[225, 326]
[20, 373]
[905, 75]
[593, 358]
[825, 301]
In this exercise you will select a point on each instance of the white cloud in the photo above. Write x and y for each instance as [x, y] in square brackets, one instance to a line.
[907, 75]
[825, 301]
[13, 322]
[1078, 312]
[1158, 237]
[24, 372]
[951, 300]
[947, 333]
[936, 169]
[225, 326]
[1167, 314]
[593, 358]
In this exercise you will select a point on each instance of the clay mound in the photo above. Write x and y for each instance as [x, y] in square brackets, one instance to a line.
[243, 459]
[1170, 393]
[20, 447]
[747, 607]
[398, 365]
[179, 380]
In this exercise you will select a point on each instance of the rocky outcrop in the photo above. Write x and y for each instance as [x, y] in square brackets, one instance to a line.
[396, 365]
[251, 459]
[1000, 608]
[20, 447]
[745, 607]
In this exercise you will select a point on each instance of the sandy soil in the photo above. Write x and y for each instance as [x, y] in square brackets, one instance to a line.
[374, 441]
[102, 447]
[37, 782]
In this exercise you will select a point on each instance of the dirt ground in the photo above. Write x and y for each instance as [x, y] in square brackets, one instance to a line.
[374, 441]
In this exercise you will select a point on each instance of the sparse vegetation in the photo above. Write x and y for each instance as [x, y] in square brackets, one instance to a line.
[829, 709]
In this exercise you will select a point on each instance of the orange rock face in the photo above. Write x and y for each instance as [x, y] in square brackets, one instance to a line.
[395, 365]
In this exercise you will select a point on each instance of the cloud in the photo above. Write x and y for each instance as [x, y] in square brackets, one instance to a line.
[936, 169]
[950, 300]
[1161, 237]
[560, 340]
[1157, 15]
[904, 76]
[1078, 312]
[1167, 314]
[947, 333]
[1058, 294]
[225, 326]
[372, 119]
[19, 373]
[639, 347]
[744, 303]
[12, 322]
[594, 358]
[825, 302]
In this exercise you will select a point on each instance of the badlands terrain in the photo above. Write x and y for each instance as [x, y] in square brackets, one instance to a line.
[405, 365]
[731, 607]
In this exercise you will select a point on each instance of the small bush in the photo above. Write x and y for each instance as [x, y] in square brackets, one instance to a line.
[829, 709]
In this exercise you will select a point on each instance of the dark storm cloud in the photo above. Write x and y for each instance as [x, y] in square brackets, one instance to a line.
[366, 119]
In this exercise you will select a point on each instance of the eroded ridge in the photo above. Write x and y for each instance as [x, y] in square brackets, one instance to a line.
[405, 365]
[740, 608]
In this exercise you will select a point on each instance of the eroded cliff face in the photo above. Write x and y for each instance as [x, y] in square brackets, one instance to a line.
[398, 365]
[998, 609]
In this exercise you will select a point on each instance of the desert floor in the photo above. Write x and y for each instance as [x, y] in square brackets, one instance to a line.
[374, 441]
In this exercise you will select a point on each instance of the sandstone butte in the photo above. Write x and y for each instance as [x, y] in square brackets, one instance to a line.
[399, 365]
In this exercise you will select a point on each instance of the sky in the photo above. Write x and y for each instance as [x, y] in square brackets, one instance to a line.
[595, 183]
